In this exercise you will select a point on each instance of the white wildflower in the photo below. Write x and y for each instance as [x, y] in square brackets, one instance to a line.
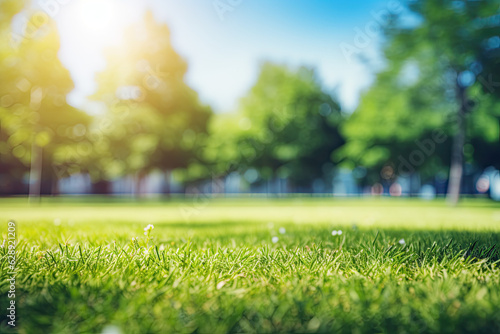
[402, 242]
[275, 239]
[282, 230]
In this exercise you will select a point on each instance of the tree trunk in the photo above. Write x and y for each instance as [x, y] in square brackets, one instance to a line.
[457, 150]
[139, 180]
[35, 172]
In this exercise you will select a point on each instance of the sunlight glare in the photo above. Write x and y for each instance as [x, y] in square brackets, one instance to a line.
[100, 22]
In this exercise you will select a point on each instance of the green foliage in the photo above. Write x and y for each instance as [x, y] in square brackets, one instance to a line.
[395, 114]
[484, 130]
[417, 91]
[287, 126]
[33, 107]
[155, 120]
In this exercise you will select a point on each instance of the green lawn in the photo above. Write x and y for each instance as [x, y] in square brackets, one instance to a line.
[211, 266]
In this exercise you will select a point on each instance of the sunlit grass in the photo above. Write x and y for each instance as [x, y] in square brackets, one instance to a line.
[373, 213]
[398, 266]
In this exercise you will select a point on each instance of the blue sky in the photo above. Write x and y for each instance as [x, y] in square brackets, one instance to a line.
[223, 50]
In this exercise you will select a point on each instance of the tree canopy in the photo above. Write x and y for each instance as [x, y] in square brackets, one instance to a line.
[439, 77]
[36, 121]
[286, 126]
[154, 119]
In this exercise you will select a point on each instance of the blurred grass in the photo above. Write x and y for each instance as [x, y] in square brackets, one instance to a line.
[381, 212]
[211, 267]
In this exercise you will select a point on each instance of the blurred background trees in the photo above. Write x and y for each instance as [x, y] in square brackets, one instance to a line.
[289, 125]
[286, 128]
[439, 76]
[155, 120]
[432, 112]
[10, 161]
[36, 121]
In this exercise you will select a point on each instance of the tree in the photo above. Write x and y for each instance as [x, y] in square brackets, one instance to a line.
[483, 131]
[156, 119]
[451, 40]
[287, 126]
[11, 159]
[401, 125]
[36, 120]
